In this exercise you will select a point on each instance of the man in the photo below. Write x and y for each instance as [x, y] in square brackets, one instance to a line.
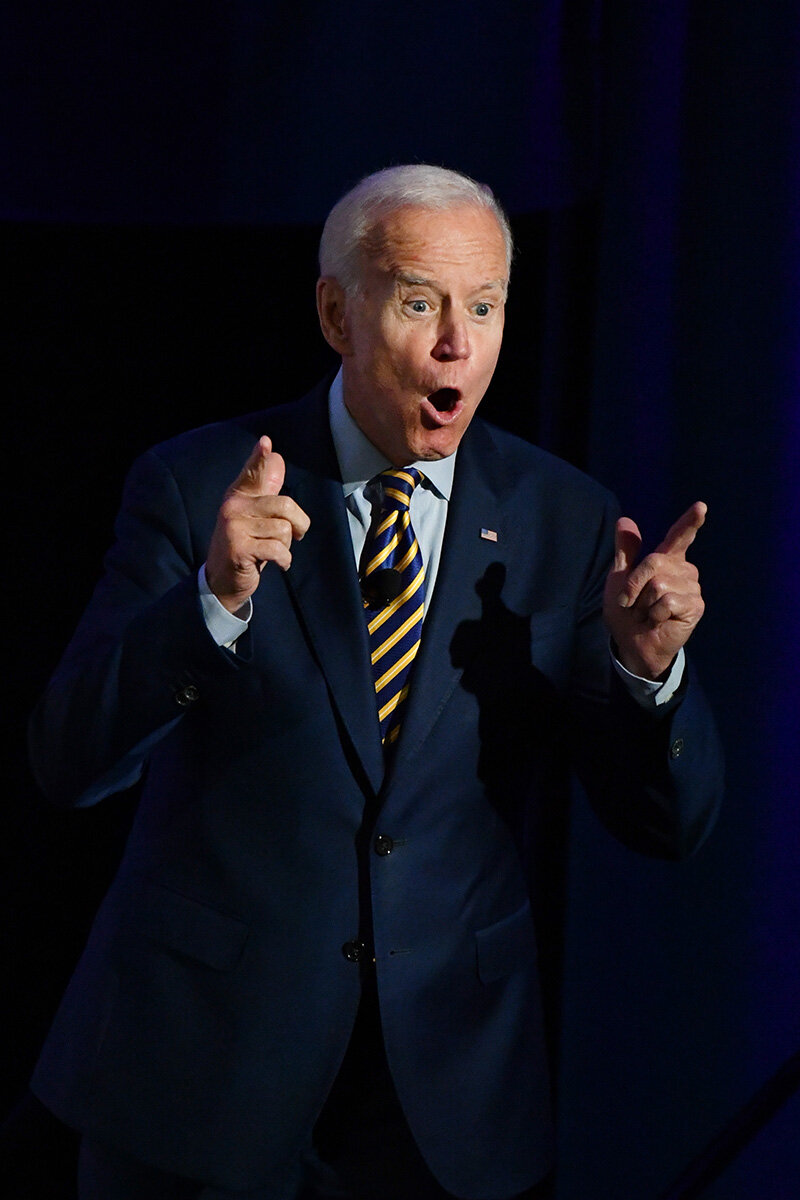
[315, 973]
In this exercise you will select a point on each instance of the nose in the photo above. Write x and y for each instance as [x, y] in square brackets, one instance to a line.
[453, 342]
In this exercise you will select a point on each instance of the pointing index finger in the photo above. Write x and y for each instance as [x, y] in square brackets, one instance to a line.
[681, 535]
[263, 473]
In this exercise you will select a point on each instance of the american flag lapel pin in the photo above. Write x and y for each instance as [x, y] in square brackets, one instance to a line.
[489, 535]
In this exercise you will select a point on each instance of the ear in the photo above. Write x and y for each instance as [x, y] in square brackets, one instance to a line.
[331, 304]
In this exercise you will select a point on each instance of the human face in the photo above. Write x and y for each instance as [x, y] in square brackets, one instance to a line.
[423, 329]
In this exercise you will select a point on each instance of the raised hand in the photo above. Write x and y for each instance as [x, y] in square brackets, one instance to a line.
[255, 525]
[651, 608]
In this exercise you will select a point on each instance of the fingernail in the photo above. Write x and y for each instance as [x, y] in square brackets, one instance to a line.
[622, 600]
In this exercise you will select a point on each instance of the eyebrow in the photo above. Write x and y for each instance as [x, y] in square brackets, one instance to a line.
[413, 280]
[419, 281]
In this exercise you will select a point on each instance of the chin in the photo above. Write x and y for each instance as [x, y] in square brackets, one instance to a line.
[442, 444]
[419, 443]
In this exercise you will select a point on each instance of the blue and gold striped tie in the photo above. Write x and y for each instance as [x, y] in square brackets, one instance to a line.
[393, 584]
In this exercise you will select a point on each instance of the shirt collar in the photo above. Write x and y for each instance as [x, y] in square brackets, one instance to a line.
[360, 461]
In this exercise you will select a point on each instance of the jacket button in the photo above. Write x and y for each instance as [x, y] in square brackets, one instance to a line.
[676, 749]
[354, 951]
[187, 695]
[383, 845]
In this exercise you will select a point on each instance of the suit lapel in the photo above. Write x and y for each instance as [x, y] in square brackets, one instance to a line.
[323, 580]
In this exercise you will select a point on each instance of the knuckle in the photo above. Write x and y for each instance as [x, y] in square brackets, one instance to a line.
[279, 525]
[231, 506]
[281, 505]
[279, 554]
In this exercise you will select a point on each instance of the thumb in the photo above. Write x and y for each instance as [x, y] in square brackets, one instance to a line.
[627, 544]
[263, 473]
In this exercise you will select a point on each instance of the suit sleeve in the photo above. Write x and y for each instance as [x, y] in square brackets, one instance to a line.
[140, 656]
[655, 778]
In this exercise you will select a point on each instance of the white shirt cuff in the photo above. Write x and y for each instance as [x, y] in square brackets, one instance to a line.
[651, 693]
[224, 627]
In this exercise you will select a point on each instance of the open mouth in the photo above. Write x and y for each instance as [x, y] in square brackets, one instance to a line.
[444, 400]
[442, 406]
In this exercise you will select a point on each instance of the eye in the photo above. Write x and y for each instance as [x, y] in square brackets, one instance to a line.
[483, 309]
[419, 306]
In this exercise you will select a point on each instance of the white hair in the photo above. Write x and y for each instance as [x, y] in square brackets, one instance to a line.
[353, 218]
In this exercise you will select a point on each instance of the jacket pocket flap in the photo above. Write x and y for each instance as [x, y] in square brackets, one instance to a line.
[189, 926]
[506, 946]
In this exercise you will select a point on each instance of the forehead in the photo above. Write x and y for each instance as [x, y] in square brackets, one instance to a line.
[430, 241]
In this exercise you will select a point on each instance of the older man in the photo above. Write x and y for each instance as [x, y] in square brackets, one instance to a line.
[355, 684]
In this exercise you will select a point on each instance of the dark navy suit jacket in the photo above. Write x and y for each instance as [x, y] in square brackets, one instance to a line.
[211, 1009]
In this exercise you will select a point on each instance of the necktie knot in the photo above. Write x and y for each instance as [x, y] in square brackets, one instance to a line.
[398, 486]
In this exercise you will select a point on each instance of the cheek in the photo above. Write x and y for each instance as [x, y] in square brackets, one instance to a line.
[490, 344]
[403, 357]
[488, 359]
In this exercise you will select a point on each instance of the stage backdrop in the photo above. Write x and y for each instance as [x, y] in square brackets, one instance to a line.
[167, 169]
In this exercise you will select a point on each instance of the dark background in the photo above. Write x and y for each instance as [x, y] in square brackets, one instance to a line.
[166, 173]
